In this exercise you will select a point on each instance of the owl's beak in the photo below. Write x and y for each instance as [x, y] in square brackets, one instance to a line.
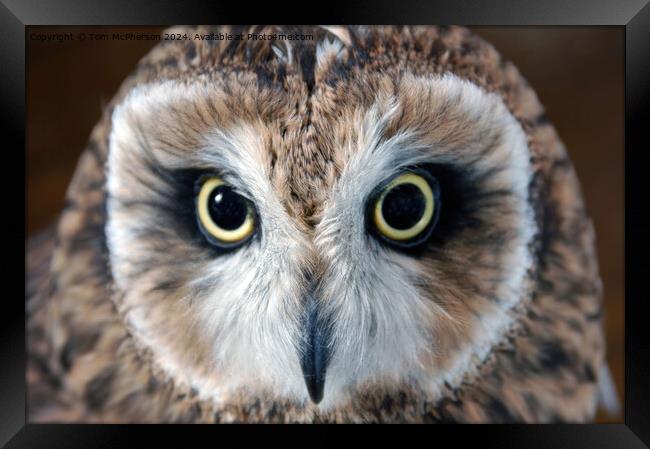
[315, 351]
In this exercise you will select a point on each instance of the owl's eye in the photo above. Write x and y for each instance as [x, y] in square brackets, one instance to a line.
[405, 210]
[226, 218]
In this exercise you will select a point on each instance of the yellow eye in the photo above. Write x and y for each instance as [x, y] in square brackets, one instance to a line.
[406, 209]
[226, 218]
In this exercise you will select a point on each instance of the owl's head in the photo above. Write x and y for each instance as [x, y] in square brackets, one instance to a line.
[311, 219]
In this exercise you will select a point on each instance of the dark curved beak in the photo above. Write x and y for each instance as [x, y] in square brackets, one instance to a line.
[316, 350]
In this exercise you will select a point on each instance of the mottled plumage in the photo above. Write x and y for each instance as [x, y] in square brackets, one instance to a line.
[134, 317]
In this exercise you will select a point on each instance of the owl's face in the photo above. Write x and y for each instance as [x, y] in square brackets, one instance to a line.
[319, 232]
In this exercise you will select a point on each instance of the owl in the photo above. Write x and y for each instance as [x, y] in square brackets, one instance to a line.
[318, 224]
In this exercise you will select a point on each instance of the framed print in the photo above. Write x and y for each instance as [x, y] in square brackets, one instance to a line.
[429, 218]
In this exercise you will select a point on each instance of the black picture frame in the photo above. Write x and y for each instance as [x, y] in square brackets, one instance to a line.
[633, 15]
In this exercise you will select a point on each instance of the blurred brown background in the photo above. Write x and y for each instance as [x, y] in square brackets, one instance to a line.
[577, 73]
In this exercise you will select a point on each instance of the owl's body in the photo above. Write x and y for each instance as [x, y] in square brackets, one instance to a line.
[135, 316]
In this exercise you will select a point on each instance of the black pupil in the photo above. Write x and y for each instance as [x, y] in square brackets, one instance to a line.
[403, 206]
[227, 209]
